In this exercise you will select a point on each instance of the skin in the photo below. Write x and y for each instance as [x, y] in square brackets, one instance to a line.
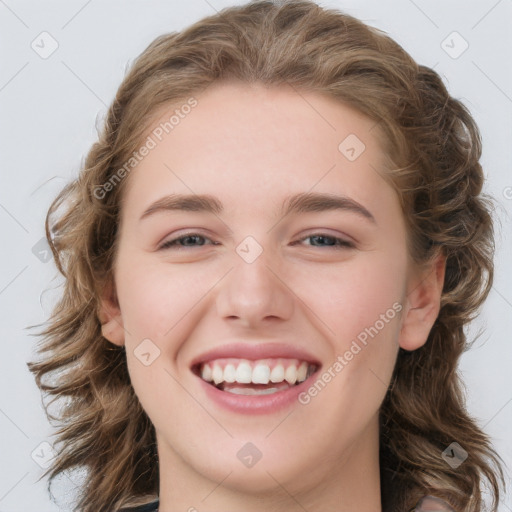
[253, 146]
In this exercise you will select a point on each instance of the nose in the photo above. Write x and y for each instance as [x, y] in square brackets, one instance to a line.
[255, 294]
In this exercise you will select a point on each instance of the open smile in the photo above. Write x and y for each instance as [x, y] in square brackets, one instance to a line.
[255, 384]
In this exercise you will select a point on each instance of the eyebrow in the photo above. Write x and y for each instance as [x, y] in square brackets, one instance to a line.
[304, 202]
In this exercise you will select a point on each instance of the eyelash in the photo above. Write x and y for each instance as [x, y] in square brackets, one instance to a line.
[340, 243]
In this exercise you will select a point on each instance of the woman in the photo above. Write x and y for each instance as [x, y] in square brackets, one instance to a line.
[270, 256]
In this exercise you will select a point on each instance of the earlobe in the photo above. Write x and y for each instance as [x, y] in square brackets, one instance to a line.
[423, 303]
[113, 331]
[109, 315]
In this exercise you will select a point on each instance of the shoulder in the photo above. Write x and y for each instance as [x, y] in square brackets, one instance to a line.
[432, 504]
[148, 507]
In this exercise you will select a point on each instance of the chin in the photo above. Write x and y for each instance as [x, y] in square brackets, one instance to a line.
[253, 475]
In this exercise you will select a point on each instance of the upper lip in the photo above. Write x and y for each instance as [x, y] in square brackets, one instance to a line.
[255, 351]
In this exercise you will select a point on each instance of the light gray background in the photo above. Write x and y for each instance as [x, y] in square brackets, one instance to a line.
[48, 111]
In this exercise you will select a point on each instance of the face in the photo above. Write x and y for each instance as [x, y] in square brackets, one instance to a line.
[264, 287]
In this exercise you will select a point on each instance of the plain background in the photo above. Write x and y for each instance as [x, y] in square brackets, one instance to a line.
[48, 111]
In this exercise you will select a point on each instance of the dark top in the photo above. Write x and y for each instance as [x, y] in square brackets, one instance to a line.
[429, 503]
[149, 507]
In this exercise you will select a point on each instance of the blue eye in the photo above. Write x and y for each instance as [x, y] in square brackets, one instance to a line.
[183, 241]
[331, 241]
[189, 239]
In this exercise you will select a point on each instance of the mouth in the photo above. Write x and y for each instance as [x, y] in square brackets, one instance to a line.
[248, 378]
[254, 377]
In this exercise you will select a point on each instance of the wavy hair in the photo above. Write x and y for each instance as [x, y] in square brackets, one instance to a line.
[433, 147]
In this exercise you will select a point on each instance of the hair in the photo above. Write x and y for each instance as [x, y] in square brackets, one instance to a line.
[433, 147]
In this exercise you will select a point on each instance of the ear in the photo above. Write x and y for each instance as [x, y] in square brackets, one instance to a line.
[109, 315]
[423, 303]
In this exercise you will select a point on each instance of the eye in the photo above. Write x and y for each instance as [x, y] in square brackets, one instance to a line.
[185, 241]
[197, 240]
[327, 241]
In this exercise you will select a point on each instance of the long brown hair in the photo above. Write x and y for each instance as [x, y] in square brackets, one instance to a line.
[433, 147]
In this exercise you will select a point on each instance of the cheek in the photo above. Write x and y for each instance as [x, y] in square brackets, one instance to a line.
[156, 298]
[352, 296]
[366, 319]
[159, 303]
[360, 304]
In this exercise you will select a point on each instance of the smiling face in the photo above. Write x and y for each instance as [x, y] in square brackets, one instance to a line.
[258, 242]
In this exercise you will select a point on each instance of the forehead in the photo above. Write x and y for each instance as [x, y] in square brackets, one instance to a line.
[253, 143]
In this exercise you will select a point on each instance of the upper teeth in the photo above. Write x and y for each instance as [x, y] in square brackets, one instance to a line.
[244, 371]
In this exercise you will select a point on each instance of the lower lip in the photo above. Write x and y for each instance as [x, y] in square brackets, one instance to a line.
[256, 404]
